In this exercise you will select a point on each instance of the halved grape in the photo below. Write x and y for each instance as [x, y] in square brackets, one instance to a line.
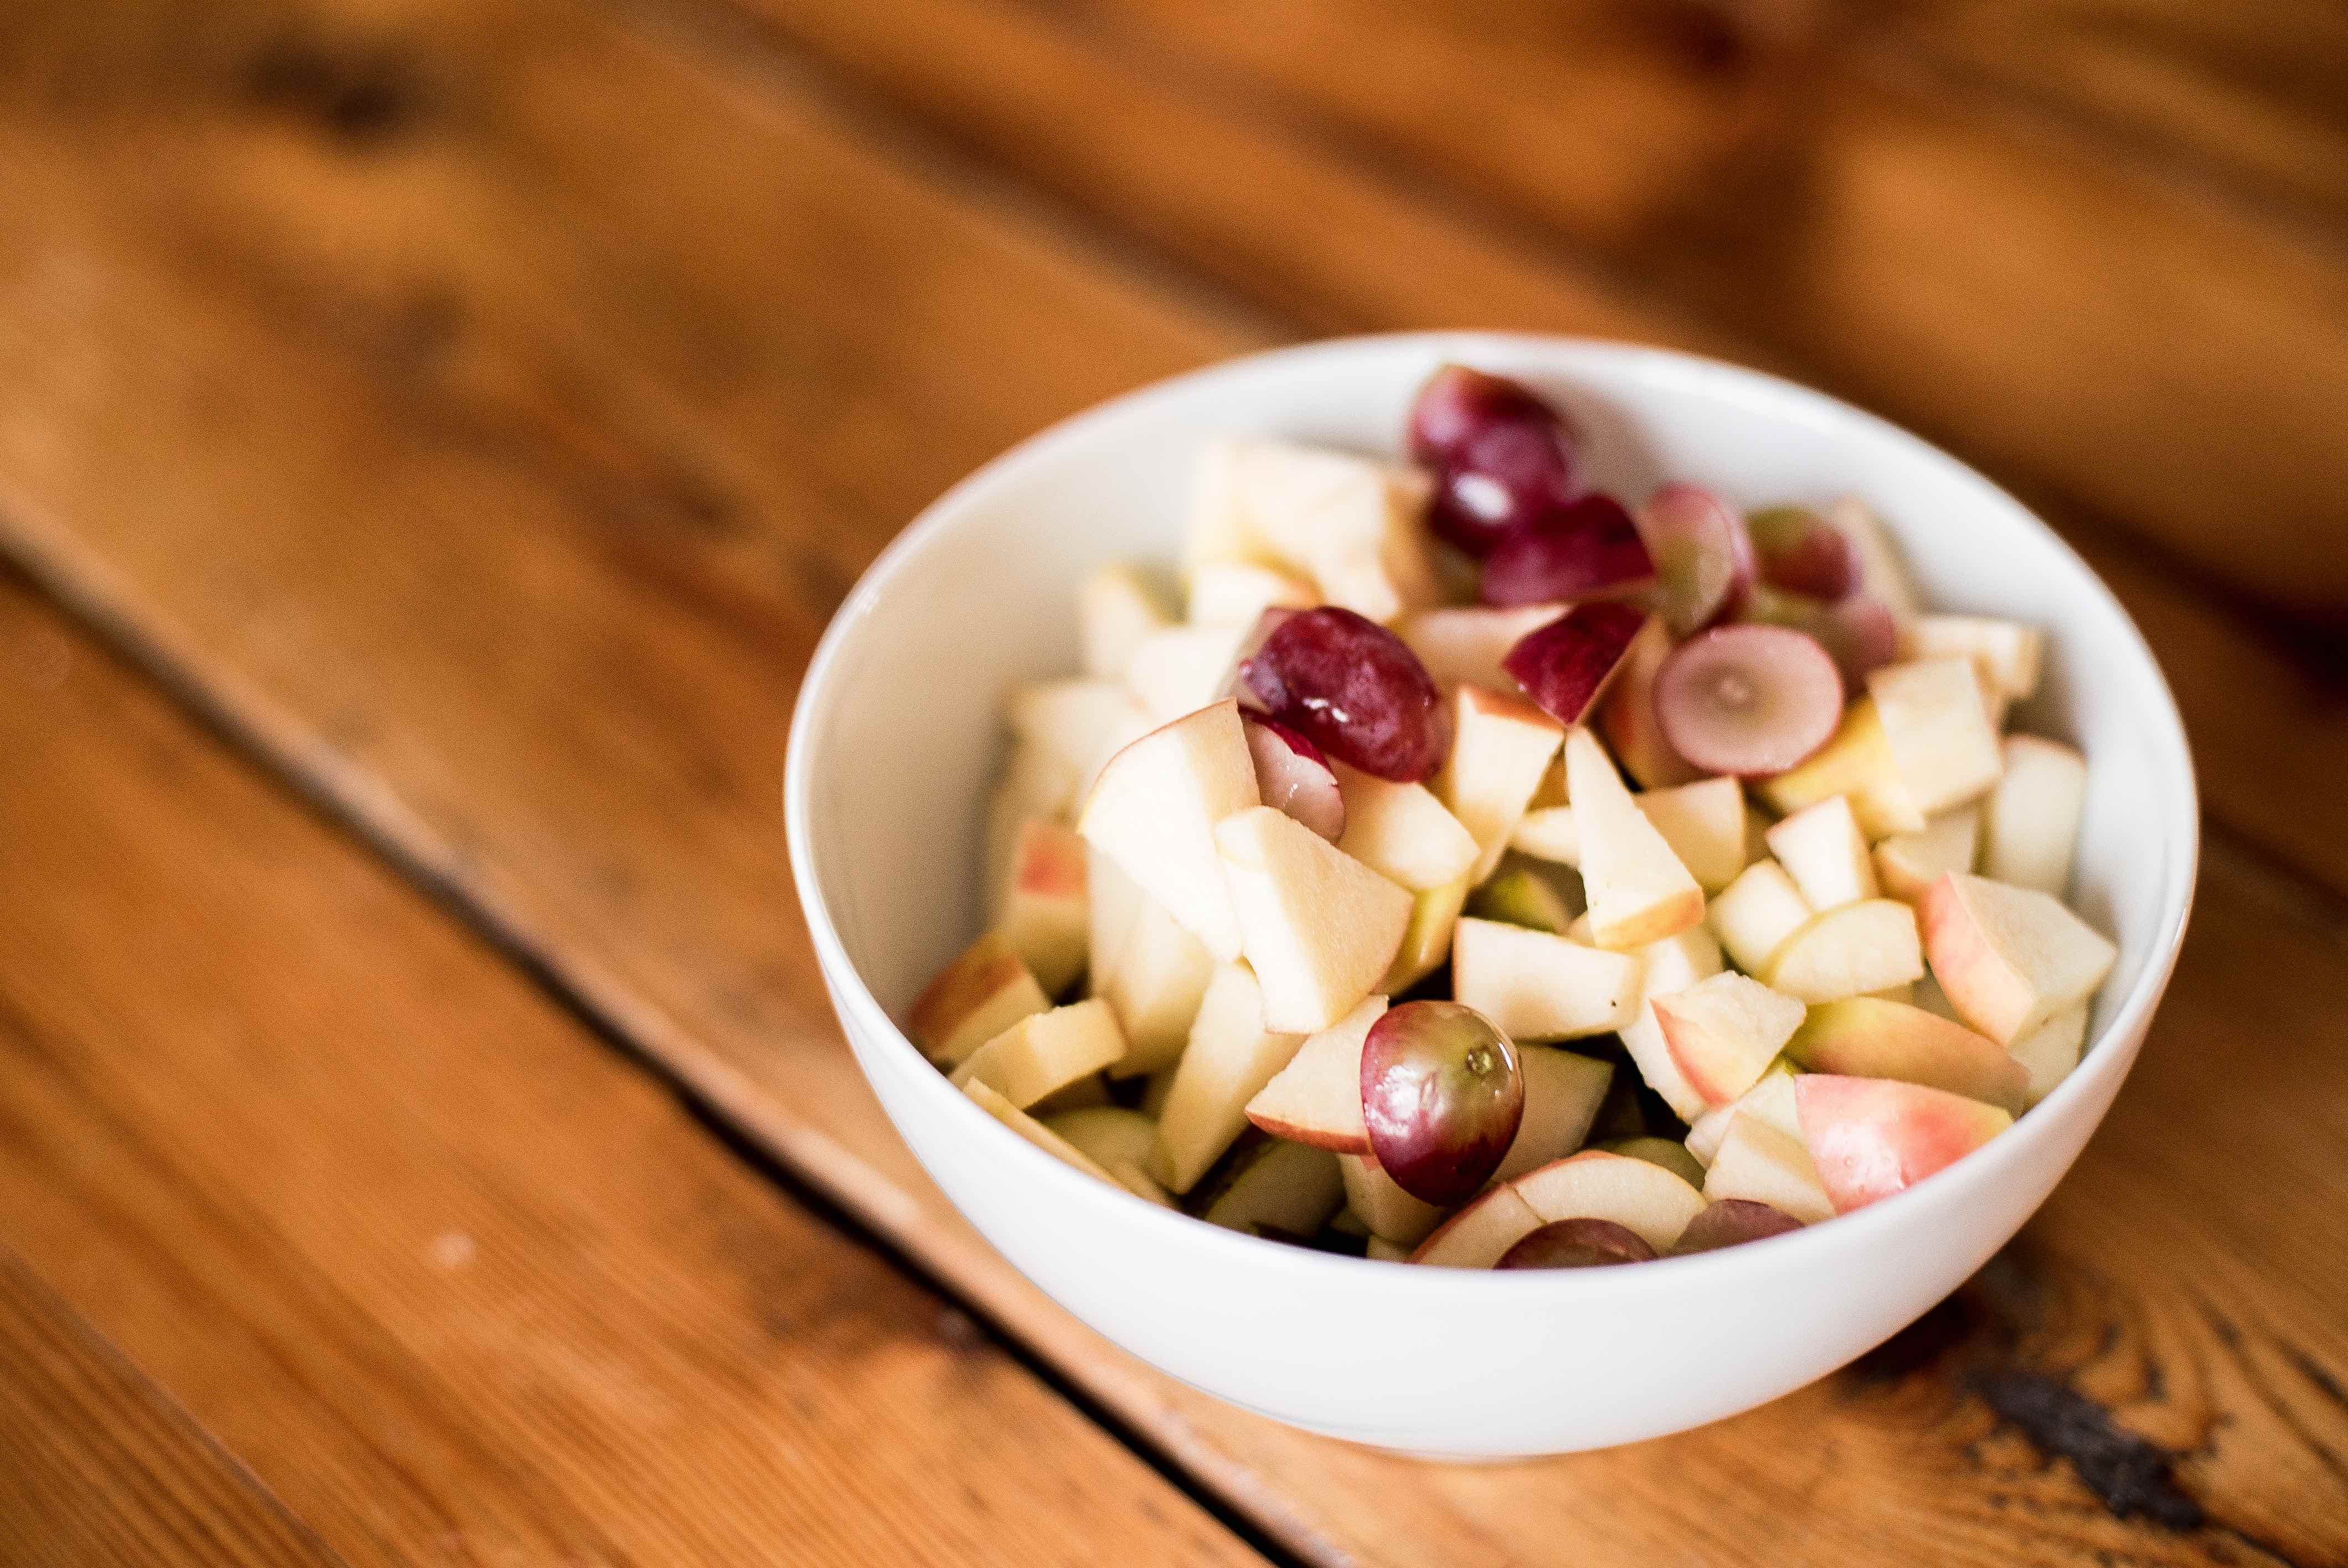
[1731, 1221]
[1588, 548]
[1565, 667]
[1235, 684]
[1802, 553]
[1291, 774]
[1857, 631]
[1703, 556]
[1500, 453]
[1352, 688]
[1442, 1094]
[1576, 1244]
[1748, 700]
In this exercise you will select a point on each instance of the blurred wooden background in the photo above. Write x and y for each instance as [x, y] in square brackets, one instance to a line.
[432, 435]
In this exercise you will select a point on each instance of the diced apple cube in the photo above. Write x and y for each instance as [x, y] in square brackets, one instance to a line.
[1548, 833]
[1562, 1092]
[1855, 762]
[1114, 905]
[1427, 941]
[1316, 1099]
[1181, 669]
[2009, 957]
[1231, 1055]
[1036, 783]
[1154, 812]
[1318, 927]
[1758, 1163]
[1401, 832]
[1273, 1185]
[1755, 915]
[1943, 750]
[1670, 965]
[1116, 607]
[1639, 891]
[1355, 526]
[1908, 862]
[2031, 820]
[1046, 1051]
[1234, 593]
[1377, 1249]
[1500, 747]
[1704, 823]
[1822, 850]
[1770, 1101]
[1536, 987]
[1108, 1135]
[1848, 952]
[1128, 1174]
[1463, 646]
[985, 1097]
[1161, 977]
[978, 996]
[2047, 1054]
[1081, 723]
[1724, 1031]
[1867, 1037]
[1873, 1137]
[1045, 914]
[2008, 653]
[1380, 1203]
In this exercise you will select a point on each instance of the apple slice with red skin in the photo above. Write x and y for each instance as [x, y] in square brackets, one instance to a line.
[1594, 1185]
[1316, 1099]
[1724, 1031]
[1865, 1036]
[1566, 666]
[2009, 957]
[1873, 1137]
[982, 992]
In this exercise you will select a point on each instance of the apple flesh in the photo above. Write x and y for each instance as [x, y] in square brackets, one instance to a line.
[1943, 749]
[1628, 720]
[1154, 812]
[1035, 784]
[1316, 1099]
[1548, 833]
[1760, 1163]
[1724, 1031]
[1500, 748]
[1318, 927]
[1480, 1234]
[1754, 914]
[1639, 892]
[1386, 1211]
[1669, 966]
[978, 996]
[2047, 1054]
[1401, 832]
[1109, 1135]
[1704, 823]
[1270, 1183]
[1536, 986]
[2009, 957]
[1045, 1052]
[1855, 762]
[1159, 977]
[1865, 1036]
[1231, 1056]
[2030, 824]
[1182, 669]
[1563, 1091]
[1520, 896]
[1594, 1185]
[1356, 526]
[1113, 909]
[1034, 1131]
[1908, 862]
[1822, 850]
[1047, 916]
[1673, 1157]
[1235, 593]
[1464, 647]
[1872, 1137]
[1427, 941]
[2007, 653]
[1080, 724]
[1848, 952]
[1770, 1100]
[1116, 607]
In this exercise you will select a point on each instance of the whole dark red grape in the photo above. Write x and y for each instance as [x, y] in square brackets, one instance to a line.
[1585, 549]
[1352, 688]
[1442, 1095]
[1501, 455]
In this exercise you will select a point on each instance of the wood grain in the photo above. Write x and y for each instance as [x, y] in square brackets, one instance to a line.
[453, 1280]
[98, 1466]
[513, 461]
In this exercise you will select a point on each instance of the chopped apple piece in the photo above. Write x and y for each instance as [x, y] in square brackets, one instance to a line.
[1724, 1031]
[1757, 913]
[1848, 952]
[1046, 1051]
[1500, 747]
[1856, 763]
[1627, 717]
[1154, 812]
[2031, 820]
[1547, 832]
[1479, 1234]
[1046, 916]
[1182, 669]
[978, 996]
[2007, 653]
[1318, 927]
[1114, 907]
[1384, 1209]
[1233, 593]
[1128, 1174]
[1401, 832]
[1220, 528]
[1943, 750]
[1086, 1093]
[1639, 891]
[2047, 1054]
[1316, 1099]
[1670, 965]
[1034, 1131]
[1080, 724]
[1865, 1036]
[1759, 1163]
[1464, 646]
[1673, 1157]
[1354, 526]
[1116, 608]
[1822, 850]
[1521, 896]
[1562, 1092]
[1927, 994]
[1275, 1184]
[1231, 1056]
[1108, 1135]
[1770, 1101]
[1161, 976]
[1536, 986]
[1637, 1195]
[1872, 1137]
[1908, 862]
[1380, 1250]
[1704, 823]
[1036, 783]
[1427, 941]
[2009, 957]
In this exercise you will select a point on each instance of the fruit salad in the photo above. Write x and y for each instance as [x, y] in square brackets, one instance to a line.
[1449, 862]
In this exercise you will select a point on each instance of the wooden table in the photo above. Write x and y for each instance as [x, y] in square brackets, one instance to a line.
[432, 435]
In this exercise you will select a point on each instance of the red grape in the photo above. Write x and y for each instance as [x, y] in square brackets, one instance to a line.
[1500, 452]
[1292, 774]
[1442, 1095]
[1802, 553]
[1354, 688]
[1576, 1244]
[1566, 666]
[1729, 1222]
[1583, 551]
[1748, 700]
[1703, 556]
[1857, 631]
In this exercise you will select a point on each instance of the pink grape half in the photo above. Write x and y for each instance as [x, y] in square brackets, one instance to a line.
[1354, 689]
[1576, 1244]
[1748, 700]
[1857, 631]
[1704, 563]
[1292, 774]
[1442, 1095]
[1588, 548]
[1566, 666]
[1501, 455]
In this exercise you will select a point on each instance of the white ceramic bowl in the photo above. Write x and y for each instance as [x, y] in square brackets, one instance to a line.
[897, 735]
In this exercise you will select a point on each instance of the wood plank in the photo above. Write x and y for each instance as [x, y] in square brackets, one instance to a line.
[2160, 357]
[98, 1466]
[504, 762]
[453, 1279]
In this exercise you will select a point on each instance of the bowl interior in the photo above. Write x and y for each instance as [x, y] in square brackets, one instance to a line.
[898, 733]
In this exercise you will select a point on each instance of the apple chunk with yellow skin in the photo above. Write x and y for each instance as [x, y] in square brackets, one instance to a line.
[1427, 941]
[1316, 1099]
[2048, 1054]
[1154, 812]
[1870, 945]
[1401, 832]
[1231, 1055]
[1724, 1032]
[1318, 927]
[1670, 965]
[1943, 749]
[2030, 822]
[1480, 1234]
[1872, 1137]
[978, 996]
[1637, 1195]
[1463, 646]
[1045, 916]
[1116, 607]
[2009, 957]
[1822, 850]
[1385, 1210]
[1754, 914]
[1045, 1052]
[1908, 862]
[1639, 891]
[1533, 986]
[1160, 975]
[1761, 1162]
[1562, 1092]
[1865, 1036]
[1500, 748]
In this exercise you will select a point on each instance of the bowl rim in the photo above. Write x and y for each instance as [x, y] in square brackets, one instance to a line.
[1561, 355]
